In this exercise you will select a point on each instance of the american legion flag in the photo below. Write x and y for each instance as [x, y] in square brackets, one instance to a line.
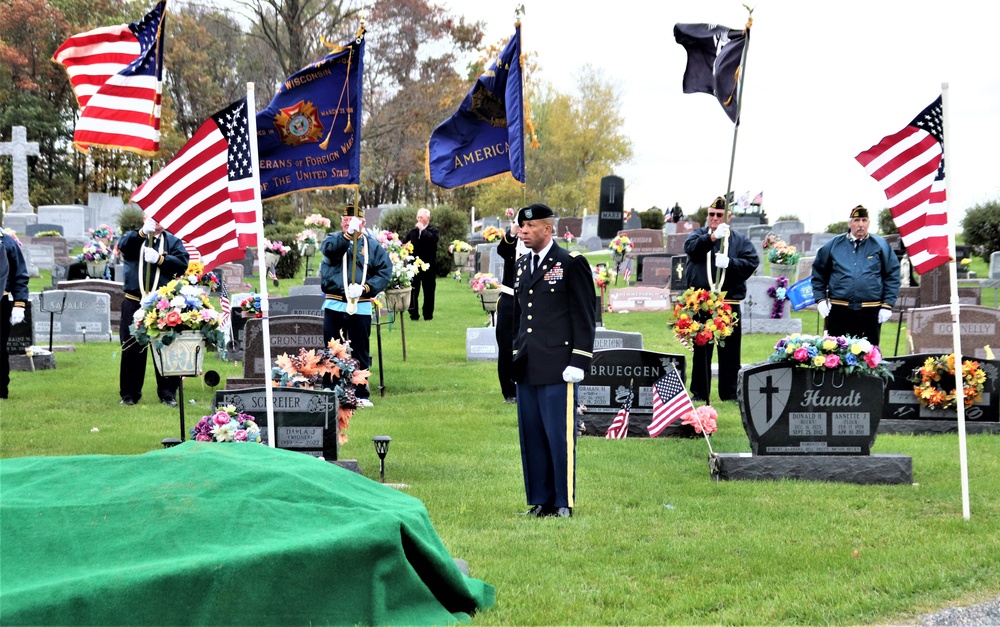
[619, 426]
[206, 195]
[670, 401]
[909, 165]
[484, 139]
[117, 76]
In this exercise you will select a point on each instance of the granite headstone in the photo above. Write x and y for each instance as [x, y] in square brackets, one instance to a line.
[288, 335]
[930, 329]
[86, 317]
[34, 229]
[639, 298]
[481, 344]
[756, 310]
[304, 420]
[22, 334]
[112, 288]
[297, 305]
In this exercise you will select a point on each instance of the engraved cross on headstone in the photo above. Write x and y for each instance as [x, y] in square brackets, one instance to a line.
[769, 391]
[19, 149]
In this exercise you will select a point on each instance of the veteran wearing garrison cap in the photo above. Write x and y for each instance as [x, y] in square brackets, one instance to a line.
[354, 269]
[708, 258]
[553, 346]
[855, 280]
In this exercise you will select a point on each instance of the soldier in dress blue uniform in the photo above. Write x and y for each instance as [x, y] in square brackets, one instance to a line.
[14, 274]
[553, 346]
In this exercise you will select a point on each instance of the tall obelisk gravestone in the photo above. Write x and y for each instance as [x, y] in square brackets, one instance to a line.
[20, 213]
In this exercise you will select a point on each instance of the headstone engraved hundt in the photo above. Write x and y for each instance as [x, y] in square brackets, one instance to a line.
[812, 424]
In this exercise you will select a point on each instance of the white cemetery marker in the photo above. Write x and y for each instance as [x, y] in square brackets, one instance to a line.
[19, 149]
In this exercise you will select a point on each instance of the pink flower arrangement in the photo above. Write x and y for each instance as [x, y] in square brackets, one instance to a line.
[703, 419]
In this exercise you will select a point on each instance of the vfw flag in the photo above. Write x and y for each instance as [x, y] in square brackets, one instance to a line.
[909, 165]
[206, 195]
[484, 139]
[117, 75]
[309, 137]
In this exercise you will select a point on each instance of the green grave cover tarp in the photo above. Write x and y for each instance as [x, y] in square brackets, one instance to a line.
[210, 533]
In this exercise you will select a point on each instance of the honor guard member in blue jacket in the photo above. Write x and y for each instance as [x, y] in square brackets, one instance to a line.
[855, 281]
[165, 260]
[553, 346]
[347, 310]
[704, 248]
[14, 275]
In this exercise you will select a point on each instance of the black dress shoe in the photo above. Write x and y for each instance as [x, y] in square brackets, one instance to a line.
[510, 400]
[172, 402]
[537, 511]
[563, 512]
[127, 401]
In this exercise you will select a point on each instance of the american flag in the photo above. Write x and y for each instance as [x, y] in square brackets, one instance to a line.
[225, 308]
[627, 272]
[758, 199]
[117, 75]
[206, 195]
[670, 401]
[619, 426]
[909, 165]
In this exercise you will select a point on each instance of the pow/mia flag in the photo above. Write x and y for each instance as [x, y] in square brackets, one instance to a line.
[714, 56]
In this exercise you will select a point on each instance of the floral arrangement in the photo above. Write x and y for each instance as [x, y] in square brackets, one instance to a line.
[842, 353]
[250, 306]
[702, 317]
[196, 275]
[492, 234]
[48, 234]
[568, 237]
[933, 380]
[458, 246]
[177, 306]
[457, 275]
[306, 238]
[779, 252]
[603, 275]
[703, 419]
[484, 281]
[102, 232]
[620, 246]
[510, 212]
[226, 425]
[308, 369]
[276, 247]
[315, 219]
[95, 250]
[778, 292]
[404, 265]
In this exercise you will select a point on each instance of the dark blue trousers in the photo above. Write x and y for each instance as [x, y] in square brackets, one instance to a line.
[548, 443]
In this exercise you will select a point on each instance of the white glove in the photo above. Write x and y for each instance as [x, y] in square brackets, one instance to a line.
[420, 226]
[823, 307]
[17, 315]
[148, 226]
[721, 260]
[884, 315]
[354, 290]
[354, 225]
[572, 374]
[722, 231]
[150, 255]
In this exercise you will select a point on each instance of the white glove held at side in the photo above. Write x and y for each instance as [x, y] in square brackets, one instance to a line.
[722, 231]
[148, 226]
[355, 290]
[823, 307]
[150, 255]
[721, 260]
[884, 315]
[17, 315]
[354, 225]
[572, 374]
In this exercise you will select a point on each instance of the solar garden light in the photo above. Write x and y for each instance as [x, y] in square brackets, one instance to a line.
[381, 448]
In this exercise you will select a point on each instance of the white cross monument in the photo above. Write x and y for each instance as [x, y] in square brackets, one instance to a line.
[19, 149]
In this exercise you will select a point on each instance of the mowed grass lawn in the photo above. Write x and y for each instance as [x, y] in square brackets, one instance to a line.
[653, 540]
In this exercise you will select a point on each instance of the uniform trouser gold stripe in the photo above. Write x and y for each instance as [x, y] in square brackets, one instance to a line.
[570, 441]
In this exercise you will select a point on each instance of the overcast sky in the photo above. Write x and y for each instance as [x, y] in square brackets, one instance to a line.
[824, 81]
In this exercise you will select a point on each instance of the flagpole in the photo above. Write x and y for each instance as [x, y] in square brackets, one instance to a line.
[720, 275]
[261, 267]
[956, 330]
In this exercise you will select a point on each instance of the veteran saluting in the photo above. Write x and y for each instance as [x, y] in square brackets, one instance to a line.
[553, 346]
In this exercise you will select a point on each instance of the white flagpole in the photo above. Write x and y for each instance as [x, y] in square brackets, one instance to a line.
[261, 268]
[956, 330]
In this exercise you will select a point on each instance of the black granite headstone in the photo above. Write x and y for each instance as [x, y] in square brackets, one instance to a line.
[611, 217]
[304, 420]
[678, 276]
[22, 334]
[788, 410]
[606, 386]
[902, 404]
